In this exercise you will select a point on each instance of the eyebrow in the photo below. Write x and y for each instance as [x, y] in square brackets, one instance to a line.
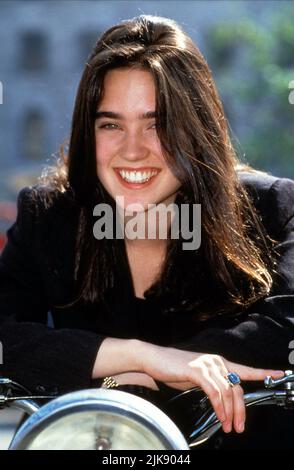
[112, 115]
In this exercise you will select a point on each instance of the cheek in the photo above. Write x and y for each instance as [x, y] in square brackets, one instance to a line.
[156, 148]
[172, 181]
[104, 151]
[175, 183]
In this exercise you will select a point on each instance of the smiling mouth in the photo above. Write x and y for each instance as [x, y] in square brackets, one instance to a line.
[137, 176]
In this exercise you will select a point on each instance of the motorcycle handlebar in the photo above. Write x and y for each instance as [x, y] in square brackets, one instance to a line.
[270, 396]
[206, 426]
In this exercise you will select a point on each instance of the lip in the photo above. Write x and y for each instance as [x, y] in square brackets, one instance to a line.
[141, 168]
[129, 185]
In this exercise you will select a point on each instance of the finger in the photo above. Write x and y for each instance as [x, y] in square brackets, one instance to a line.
[239, 408]
[220, 372]
[252, 373]
[227, 397]
[210, 387]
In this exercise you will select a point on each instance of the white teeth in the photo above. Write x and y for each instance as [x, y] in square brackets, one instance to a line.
[137, 176]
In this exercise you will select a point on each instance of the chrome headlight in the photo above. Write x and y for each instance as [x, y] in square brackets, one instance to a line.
[99, 419]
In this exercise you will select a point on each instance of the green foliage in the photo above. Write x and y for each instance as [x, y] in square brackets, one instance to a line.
[253, 65]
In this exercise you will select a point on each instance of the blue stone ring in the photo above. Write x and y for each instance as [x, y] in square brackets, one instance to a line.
[233, 379]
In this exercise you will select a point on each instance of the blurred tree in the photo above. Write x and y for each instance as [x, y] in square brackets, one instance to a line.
[253, 66]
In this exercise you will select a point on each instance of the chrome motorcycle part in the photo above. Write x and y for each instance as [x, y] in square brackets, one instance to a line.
[102, 419]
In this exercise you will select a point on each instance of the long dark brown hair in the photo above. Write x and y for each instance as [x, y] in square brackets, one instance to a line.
[231, 269]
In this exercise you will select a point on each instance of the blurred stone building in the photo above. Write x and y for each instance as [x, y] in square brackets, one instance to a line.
[43, 48]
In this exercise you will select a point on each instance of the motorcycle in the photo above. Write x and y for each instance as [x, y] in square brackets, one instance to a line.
[128, 418]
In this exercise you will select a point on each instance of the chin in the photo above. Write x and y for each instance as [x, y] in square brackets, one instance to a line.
[135, 205]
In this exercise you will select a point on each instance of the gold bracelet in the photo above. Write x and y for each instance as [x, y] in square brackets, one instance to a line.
[109, 382]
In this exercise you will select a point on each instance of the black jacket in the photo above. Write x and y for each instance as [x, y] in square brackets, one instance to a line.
[36, 277]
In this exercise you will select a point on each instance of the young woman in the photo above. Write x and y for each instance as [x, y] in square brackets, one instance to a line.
[149, 127]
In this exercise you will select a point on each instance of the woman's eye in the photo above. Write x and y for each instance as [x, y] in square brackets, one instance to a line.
[112, 125]
[109, 125]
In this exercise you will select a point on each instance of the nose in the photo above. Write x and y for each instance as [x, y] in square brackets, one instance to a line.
[134, 147]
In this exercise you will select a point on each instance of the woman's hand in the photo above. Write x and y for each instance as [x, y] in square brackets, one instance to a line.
[184, 369]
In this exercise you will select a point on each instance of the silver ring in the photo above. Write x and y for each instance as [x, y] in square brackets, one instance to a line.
[233, 379]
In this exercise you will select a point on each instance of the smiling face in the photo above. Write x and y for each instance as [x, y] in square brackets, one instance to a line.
[129, 156]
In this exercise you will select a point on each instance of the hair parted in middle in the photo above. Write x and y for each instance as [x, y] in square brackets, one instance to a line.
[230, 270]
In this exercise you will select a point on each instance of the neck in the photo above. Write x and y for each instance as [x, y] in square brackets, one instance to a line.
[148, 228]
[146, 244]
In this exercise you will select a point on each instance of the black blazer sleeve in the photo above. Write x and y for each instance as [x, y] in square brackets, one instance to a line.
[34, 354]
[261, 335]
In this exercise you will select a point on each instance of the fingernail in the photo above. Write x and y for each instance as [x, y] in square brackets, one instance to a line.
[240, 427]
[227, 428]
